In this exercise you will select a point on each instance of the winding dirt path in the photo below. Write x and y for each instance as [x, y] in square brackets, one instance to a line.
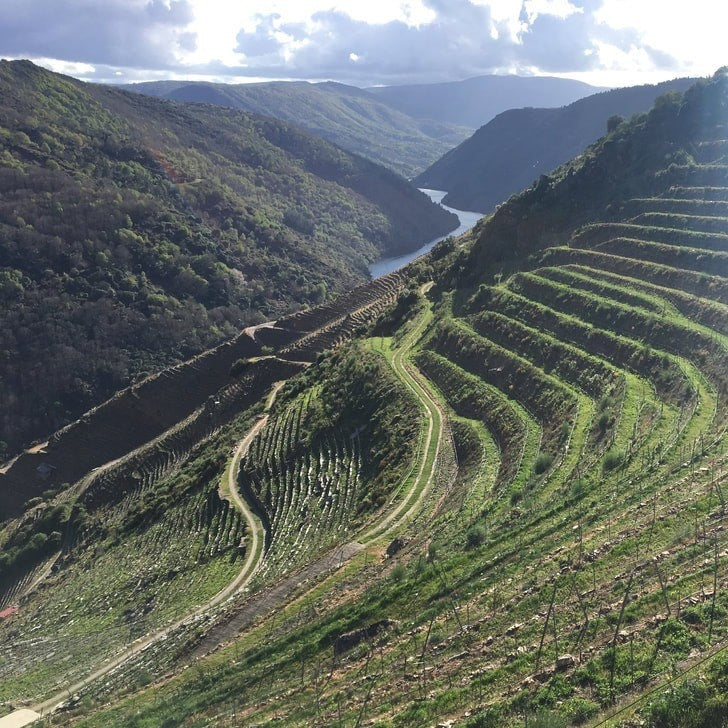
[255, 554]
[279, 594]
[433, 439]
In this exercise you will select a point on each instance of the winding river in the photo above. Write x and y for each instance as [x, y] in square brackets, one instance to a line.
[467, 220]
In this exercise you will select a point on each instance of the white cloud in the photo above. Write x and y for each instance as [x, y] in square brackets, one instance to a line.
[557, 8]
[69, 68]
[693, 33]
[392, 40]
[132, 33]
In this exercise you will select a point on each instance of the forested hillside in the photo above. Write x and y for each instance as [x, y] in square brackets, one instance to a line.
[505, 155]
[351, 117]
[135, 232]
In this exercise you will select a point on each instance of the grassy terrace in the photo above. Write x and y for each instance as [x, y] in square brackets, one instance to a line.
[698, 310]
[566, 544]
[697, 259]
[126, 575]
[598, 233]
[516, 433]
[711, 287]
[534, 466]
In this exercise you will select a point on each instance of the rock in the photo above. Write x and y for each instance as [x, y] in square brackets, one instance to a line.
[397, 545]
[351, 639]
[565, 661]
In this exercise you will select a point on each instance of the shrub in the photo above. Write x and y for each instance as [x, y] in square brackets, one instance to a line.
[475, 536]
[546, 719]
[579, 710]
[491, 717]
[543, 462]
[678, 707]
[239, 367]
[612, 460]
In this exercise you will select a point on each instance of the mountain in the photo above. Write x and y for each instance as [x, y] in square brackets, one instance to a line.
[348, 116]
[487, 490]
[506, 154]
[136, 231]
[475, 101]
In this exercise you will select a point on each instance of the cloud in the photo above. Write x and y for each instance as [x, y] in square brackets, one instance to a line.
[464, 39]
[122, 33]
[328, 43]
[557, 8]
[378, 42]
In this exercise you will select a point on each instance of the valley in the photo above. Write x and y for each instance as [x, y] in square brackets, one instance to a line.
[466, 221]
[147, 232]
[484, 489]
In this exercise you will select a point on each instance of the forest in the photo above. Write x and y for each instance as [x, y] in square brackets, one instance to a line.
[136, 232]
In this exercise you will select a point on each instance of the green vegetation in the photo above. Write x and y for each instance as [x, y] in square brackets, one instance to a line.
[126, 568]
[337, 448]
[530, 459]
[135, 232]
[345, 115]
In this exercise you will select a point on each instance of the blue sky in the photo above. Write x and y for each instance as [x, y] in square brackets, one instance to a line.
[605, 42]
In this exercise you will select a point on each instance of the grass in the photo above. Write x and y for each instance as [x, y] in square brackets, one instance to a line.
[577, 556]
[421, 475]
[119, 590]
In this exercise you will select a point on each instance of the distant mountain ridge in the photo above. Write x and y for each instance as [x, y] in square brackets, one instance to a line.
[348, 116]
[405, 128]
[475, 101]
[505, 155]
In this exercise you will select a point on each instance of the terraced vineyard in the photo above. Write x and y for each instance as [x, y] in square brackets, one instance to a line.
[563, 556]
[309, 495]
[145, 538]
[112, 592]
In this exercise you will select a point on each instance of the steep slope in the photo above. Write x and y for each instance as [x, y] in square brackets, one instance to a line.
[474, 101]
[573, 555]
[503, 504]
[505, 155]
[156, 499]
[135, 232]
[348, 116]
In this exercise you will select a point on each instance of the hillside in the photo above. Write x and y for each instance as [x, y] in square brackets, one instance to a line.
[505, 155]
[489, 490]
[135, 232]
[475, 101]
[348, 116]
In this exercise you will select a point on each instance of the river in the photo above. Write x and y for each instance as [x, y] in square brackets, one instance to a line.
[467, 220]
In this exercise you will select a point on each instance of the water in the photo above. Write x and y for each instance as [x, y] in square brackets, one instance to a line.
[467, 219]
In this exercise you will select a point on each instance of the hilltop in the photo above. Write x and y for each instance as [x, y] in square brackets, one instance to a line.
[405, 128]
[351, 117]
[489, 490]
[135, 232]
[475, 101]
[505, 155]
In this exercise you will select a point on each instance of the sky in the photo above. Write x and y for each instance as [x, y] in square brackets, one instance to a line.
[367, 42]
